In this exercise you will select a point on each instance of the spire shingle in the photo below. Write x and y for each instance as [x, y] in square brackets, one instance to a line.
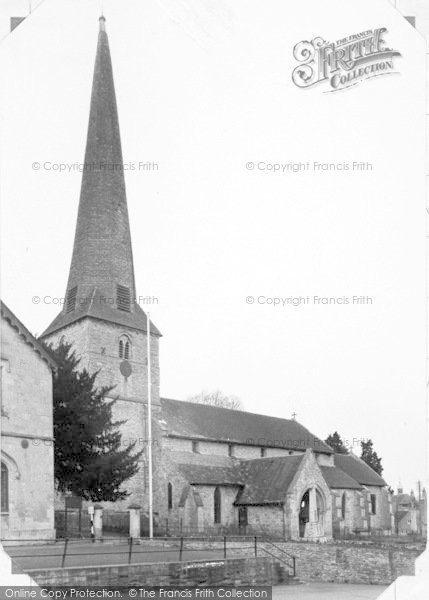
[101, 280]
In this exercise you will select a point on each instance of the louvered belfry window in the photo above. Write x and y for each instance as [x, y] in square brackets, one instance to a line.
[123, 298]
[71, 299]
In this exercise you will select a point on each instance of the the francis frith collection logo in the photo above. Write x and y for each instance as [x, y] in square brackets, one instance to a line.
[344, 63]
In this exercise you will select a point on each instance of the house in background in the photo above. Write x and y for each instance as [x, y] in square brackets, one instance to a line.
[27, 449]
[409, 513]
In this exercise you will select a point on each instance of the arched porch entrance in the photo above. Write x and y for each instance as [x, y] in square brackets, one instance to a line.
[311, 517]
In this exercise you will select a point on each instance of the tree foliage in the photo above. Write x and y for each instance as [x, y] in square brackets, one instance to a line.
[217, 398]
[371, 457]
[334, 440]
[90, 460]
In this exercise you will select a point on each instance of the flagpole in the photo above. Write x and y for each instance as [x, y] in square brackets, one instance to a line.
[149, 428]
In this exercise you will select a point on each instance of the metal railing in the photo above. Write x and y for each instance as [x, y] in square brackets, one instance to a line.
[288, 560]
[134, 550]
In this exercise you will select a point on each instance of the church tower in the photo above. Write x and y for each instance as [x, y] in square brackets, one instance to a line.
[101, 316]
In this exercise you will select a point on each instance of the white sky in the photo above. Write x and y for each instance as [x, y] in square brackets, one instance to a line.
[204, 87]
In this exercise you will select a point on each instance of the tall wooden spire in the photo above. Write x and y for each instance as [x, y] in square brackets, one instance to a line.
[101, 280]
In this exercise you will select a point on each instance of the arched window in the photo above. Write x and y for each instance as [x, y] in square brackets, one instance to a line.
[124, 347]
[343, 506]
[4, 488]
[170, 496]
[217, 506]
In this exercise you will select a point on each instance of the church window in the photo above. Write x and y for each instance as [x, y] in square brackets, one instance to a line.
[170, 496]
[373, 502]
[124, 347]
[343, 506]
[263, 452]
[217, 506]
[123, 298]
[230, 449]
[195, 446]
[4, 488]
[71, 299]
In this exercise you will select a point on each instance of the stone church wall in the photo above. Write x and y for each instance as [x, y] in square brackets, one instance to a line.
[308, 477]
[354, 513]
[383, 517]
[98, 344]
[266, 520]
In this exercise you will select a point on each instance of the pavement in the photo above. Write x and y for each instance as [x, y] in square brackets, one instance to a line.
[327, 591]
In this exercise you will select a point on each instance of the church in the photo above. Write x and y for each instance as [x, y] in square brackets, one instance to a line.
[215, 470]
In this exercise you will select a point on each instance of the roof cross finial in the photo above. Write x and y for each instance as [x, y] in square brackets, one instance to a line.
[294, 415]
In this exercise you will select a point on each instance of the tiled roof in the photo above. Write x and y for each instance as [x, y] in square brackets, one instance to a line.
[268, 479]
[8, 315]
[95, 308]
[204, 460]
[337, 479]
[400, 514]
[403, 499]
[199, 421]
[204, 475]
[358, 470]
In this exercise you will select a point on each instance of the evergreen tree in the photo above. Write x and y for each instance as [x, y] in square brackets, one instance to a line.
[334, 440]
[371, 457]
[90, 460]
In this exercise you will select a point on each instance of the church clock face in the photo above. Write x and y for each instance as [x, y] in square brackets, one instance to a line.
[125, 368]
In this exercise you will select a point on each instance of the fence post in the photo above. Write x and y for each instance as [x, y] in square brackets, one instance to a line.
[224, 546]
[181, 549]
[64, 553]
[256, 546]
[134, 520]
[130, 550]
[98, 521]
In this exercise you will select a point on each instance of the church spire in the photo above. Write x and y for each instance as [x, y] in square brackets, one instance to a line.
[101, 280]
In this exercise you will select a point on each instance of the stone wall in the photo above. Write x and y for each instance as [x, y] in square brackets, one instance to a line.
[337, 562]
[238, 571]
[27, 447]
[266, 520]
[383, 517]
[351, 563]
[354, 517]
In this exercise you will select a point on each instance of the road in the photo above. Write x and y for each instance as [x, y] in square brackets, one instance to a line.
[327, 591]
